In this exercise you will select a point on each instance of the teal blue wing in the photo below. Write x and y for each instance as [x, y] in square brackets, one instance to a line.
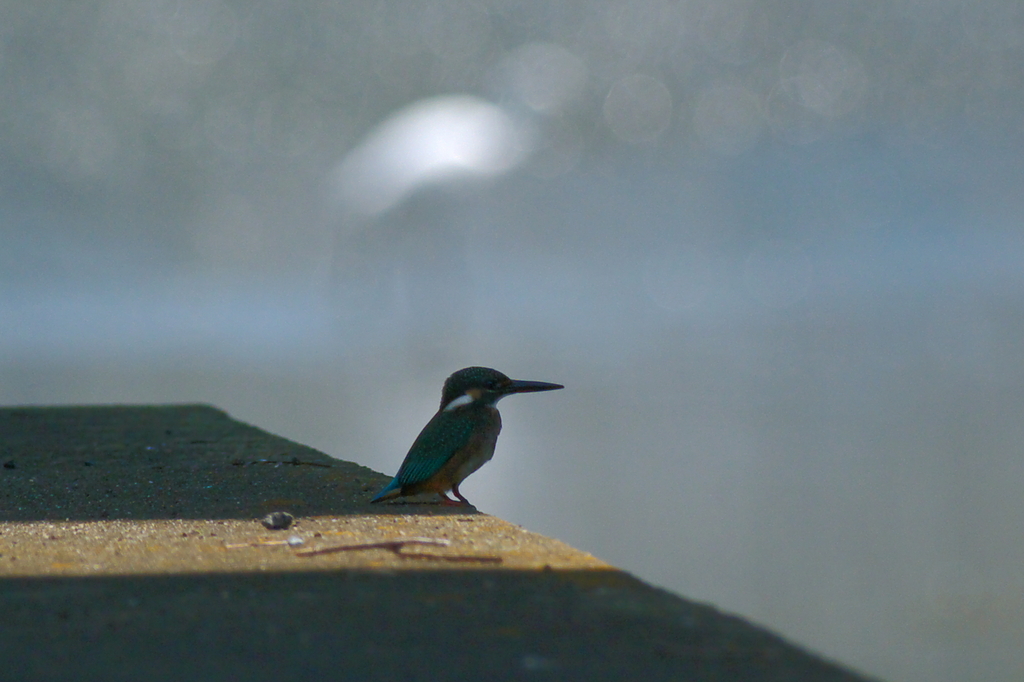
[440, 439]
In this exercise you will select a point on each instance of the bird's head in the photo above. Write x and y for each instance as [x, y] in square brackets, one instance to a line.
[485, 385]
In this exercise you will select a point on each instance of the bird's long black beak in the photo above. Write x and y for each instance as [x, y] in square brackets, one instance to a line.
[530, 386]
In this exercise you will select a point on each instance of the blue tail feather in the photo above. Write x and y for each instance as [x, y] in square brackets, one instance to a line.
[390, 487]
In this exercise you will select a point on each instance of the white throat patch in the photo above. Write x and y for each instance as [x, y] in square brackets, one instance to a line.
[464, 399]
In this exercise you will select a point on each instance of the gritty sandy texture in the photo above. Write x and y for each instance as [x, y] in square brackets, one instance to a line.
[183, 546]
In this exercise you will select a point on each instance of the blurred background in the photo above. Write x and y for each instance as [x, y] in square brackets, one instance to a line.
[773, 249]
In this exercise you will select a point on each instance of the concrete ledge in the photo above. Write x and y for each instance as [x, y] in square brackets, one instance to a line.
[130, 549]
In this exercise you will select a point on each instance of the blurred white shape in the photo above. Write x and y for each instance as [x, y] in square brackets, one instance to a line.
[728, 119]
[545, 76]
[437, 140]
[638, 108]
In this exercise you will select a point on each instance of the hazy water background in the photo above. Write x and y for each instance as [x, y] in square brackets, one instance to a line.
[773, 250]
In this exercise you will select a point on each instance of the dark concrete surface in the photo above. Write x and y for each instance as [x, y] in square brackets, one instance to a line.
[130, 550]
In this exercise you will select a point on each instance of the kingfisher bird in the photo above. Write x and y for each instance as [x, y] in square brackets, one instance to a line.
[460, 438]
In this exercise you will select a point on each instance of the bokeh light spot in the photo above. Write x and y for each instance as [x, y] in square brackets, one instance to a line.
[436, 140]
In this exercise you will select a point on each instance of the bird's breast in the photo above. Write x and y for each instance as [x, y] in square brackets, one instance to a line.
[480, 449]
